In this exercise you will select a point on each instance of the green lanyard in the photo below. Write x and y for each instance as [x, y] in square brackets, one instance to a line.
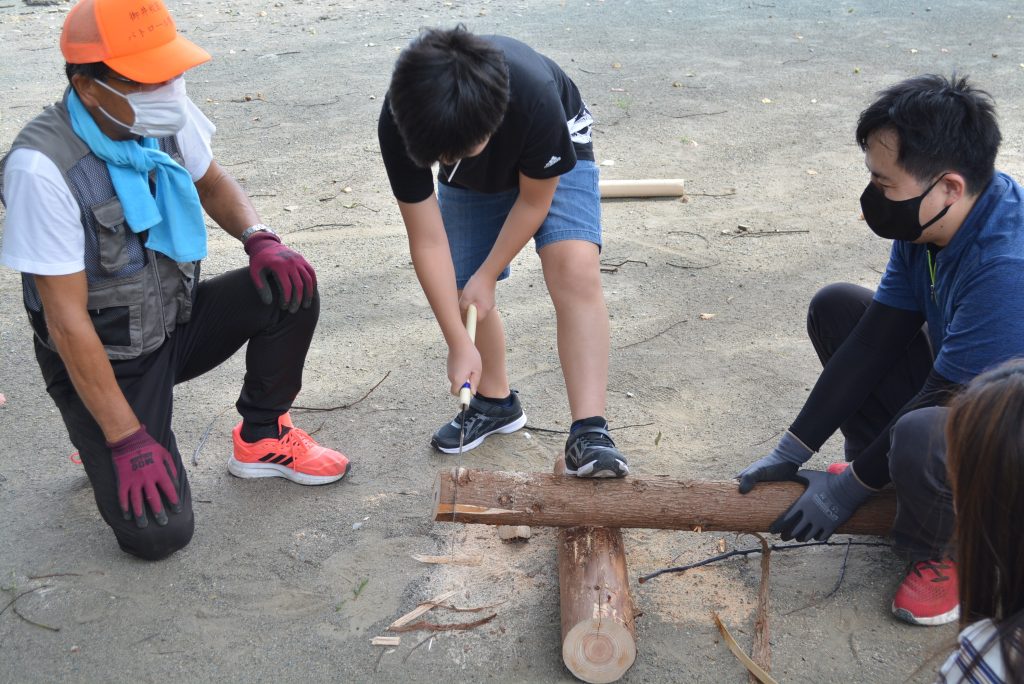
[931, 272]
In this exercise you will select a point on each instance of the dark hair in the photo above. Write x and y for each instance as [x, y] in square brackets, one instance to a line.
[985, 457]
[448, 93]
[942, 124]
[96, 70]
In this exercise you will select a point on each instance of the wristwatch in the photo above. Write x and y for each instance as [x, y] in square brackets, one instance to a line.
[252, 230]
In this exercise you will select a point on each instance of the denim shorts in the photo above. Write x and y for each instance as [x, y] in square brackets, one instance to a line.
[473, 219]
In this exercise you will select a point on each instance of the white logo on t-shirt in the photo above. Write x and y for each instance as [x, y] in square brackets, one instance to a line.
[552, 162]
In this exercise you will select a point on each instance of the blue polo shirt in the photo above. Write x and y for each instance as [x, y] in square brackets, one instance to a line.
[976, 314]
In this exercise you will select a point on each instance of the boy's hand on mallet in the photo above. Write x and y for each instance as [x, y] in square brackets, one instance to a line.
[464, 365]
[480, 292]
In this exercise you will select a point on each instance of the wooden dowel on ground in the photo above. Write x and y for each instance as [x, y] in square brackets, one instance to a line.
[543, 499]
[598, 632]
[645, 187]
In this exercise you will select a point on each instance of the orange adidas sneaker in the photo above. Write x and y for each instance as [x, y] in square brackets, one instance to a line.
[294, 455]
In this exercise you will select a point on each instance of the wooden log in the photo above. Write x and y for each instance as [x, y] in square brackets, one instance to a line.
[508, 498]
[645, 187]
[598, 631]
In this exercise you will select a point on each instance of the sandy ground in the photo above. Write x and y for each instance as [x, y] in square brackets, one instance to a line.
[753, 103]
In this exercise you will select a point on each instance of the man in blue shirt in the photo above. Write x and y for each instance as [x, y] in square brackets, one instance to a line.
[950, 305]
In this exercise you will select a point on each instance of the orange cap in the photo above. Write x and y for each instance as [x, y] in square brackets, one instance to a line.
[135, 38]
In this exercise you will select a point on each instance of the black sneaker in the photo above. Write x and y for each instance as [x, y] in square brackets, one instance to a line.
[590, 452]
[483, 418]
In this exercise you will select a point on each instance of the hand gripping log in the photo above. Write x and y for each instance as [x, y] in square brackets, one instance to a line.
[509, 498]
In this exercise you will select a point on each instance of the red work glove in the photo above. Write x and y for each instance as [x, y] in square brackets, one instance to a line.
[293, 274]
[144, 469]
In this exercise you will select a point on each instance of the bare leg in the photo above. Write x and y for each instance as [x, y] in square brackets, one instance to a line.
[572, 271]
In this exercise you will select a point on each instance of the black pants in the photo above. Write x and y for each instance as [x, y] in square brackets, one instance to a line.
[917, 456]
[226, 314]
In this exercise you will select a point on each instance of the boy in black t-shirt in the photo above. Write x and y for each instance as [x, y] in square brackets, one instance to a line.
[512, 136]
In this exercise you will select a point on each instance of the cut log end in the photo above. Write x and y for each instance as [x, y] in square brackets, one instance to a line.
[514, 532]
[599, 651]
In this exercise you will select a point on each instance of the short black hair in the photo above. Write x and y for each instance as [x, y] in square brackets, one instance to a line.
[448, 93]
[94, 70]
[942, 124]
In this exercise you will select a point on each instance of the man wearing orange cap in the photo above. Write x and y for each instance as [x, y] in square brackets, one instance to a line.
[105, 193]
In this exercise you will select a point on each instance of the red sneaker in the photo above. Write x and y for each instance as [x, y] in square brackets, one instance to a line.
[294, 455]
[928, 594]
[836, 468]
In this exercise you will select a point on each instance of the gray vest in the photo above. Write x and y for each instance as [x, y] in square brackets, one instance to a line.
[136, 296]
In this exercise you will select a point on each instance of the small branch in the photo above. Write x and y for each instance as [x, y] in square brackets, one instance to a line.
[693, 114]
[634, 344]
[247, 161]
[690, 267]
[429, 638]
[445, 627]
[767, 233]
[33, 622]
[730, 642]
[321, 225]
[24, 593]
[345, 406]
[762, 650]
[565, 432]
[206, 435]
[839, 582]
[56, 574]
[746, 552]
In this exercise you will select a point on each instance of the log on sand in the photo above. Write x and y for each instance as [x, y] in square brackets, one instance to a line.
[507, 498]
[643, 187]
[598, 633]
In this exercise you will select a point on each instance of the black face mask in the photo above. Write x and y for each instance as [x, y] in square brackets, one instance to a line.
[896, 220]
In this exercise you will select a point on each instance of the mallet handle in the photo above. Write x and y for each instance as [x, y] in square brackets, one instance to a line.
[465, 394]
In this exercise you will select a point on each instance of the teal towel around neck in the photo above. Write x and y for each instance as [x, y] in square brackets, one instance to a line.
[174, 218]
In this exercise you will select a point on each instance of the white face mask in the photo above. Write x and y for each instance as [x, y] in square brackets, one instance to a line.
[159, 113]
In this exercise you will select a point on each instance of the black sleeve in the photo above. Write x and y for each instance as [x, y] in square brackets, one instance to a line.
[876, 342]
[872, 466]
[409, 182]
[548, 150]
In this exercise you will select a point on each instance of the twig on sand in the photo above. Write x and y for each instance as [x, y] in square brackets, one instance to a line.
[429, 638]
[690, 267]
[565, 432]
[56, 574]
[206, 436]
[344, 406]
[767, 233]
[762, 651]
[24, 593]
[443, 627]
[33, 622]
[648, 339]
[322, 225]
[747, 552]
[839, 582]
[751, 666]
[693, 114]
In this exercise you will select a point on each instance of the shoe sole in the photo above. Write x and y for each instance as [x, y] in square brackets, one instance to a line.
[517, 424]
[595, 470]
[943, 619]
[248, 471]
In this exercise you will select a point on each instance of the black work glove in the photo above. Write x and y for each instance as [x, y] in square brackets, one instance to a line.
[779, 465]
[828, 502]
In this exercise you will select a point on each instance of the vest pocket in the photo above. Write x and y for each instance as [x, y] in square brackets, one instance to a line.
[115, 307]
[111, 235]
[113, 325]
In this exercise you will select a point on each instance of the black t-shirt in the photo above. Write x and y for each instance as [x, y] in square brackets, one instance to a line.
[545, 130]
